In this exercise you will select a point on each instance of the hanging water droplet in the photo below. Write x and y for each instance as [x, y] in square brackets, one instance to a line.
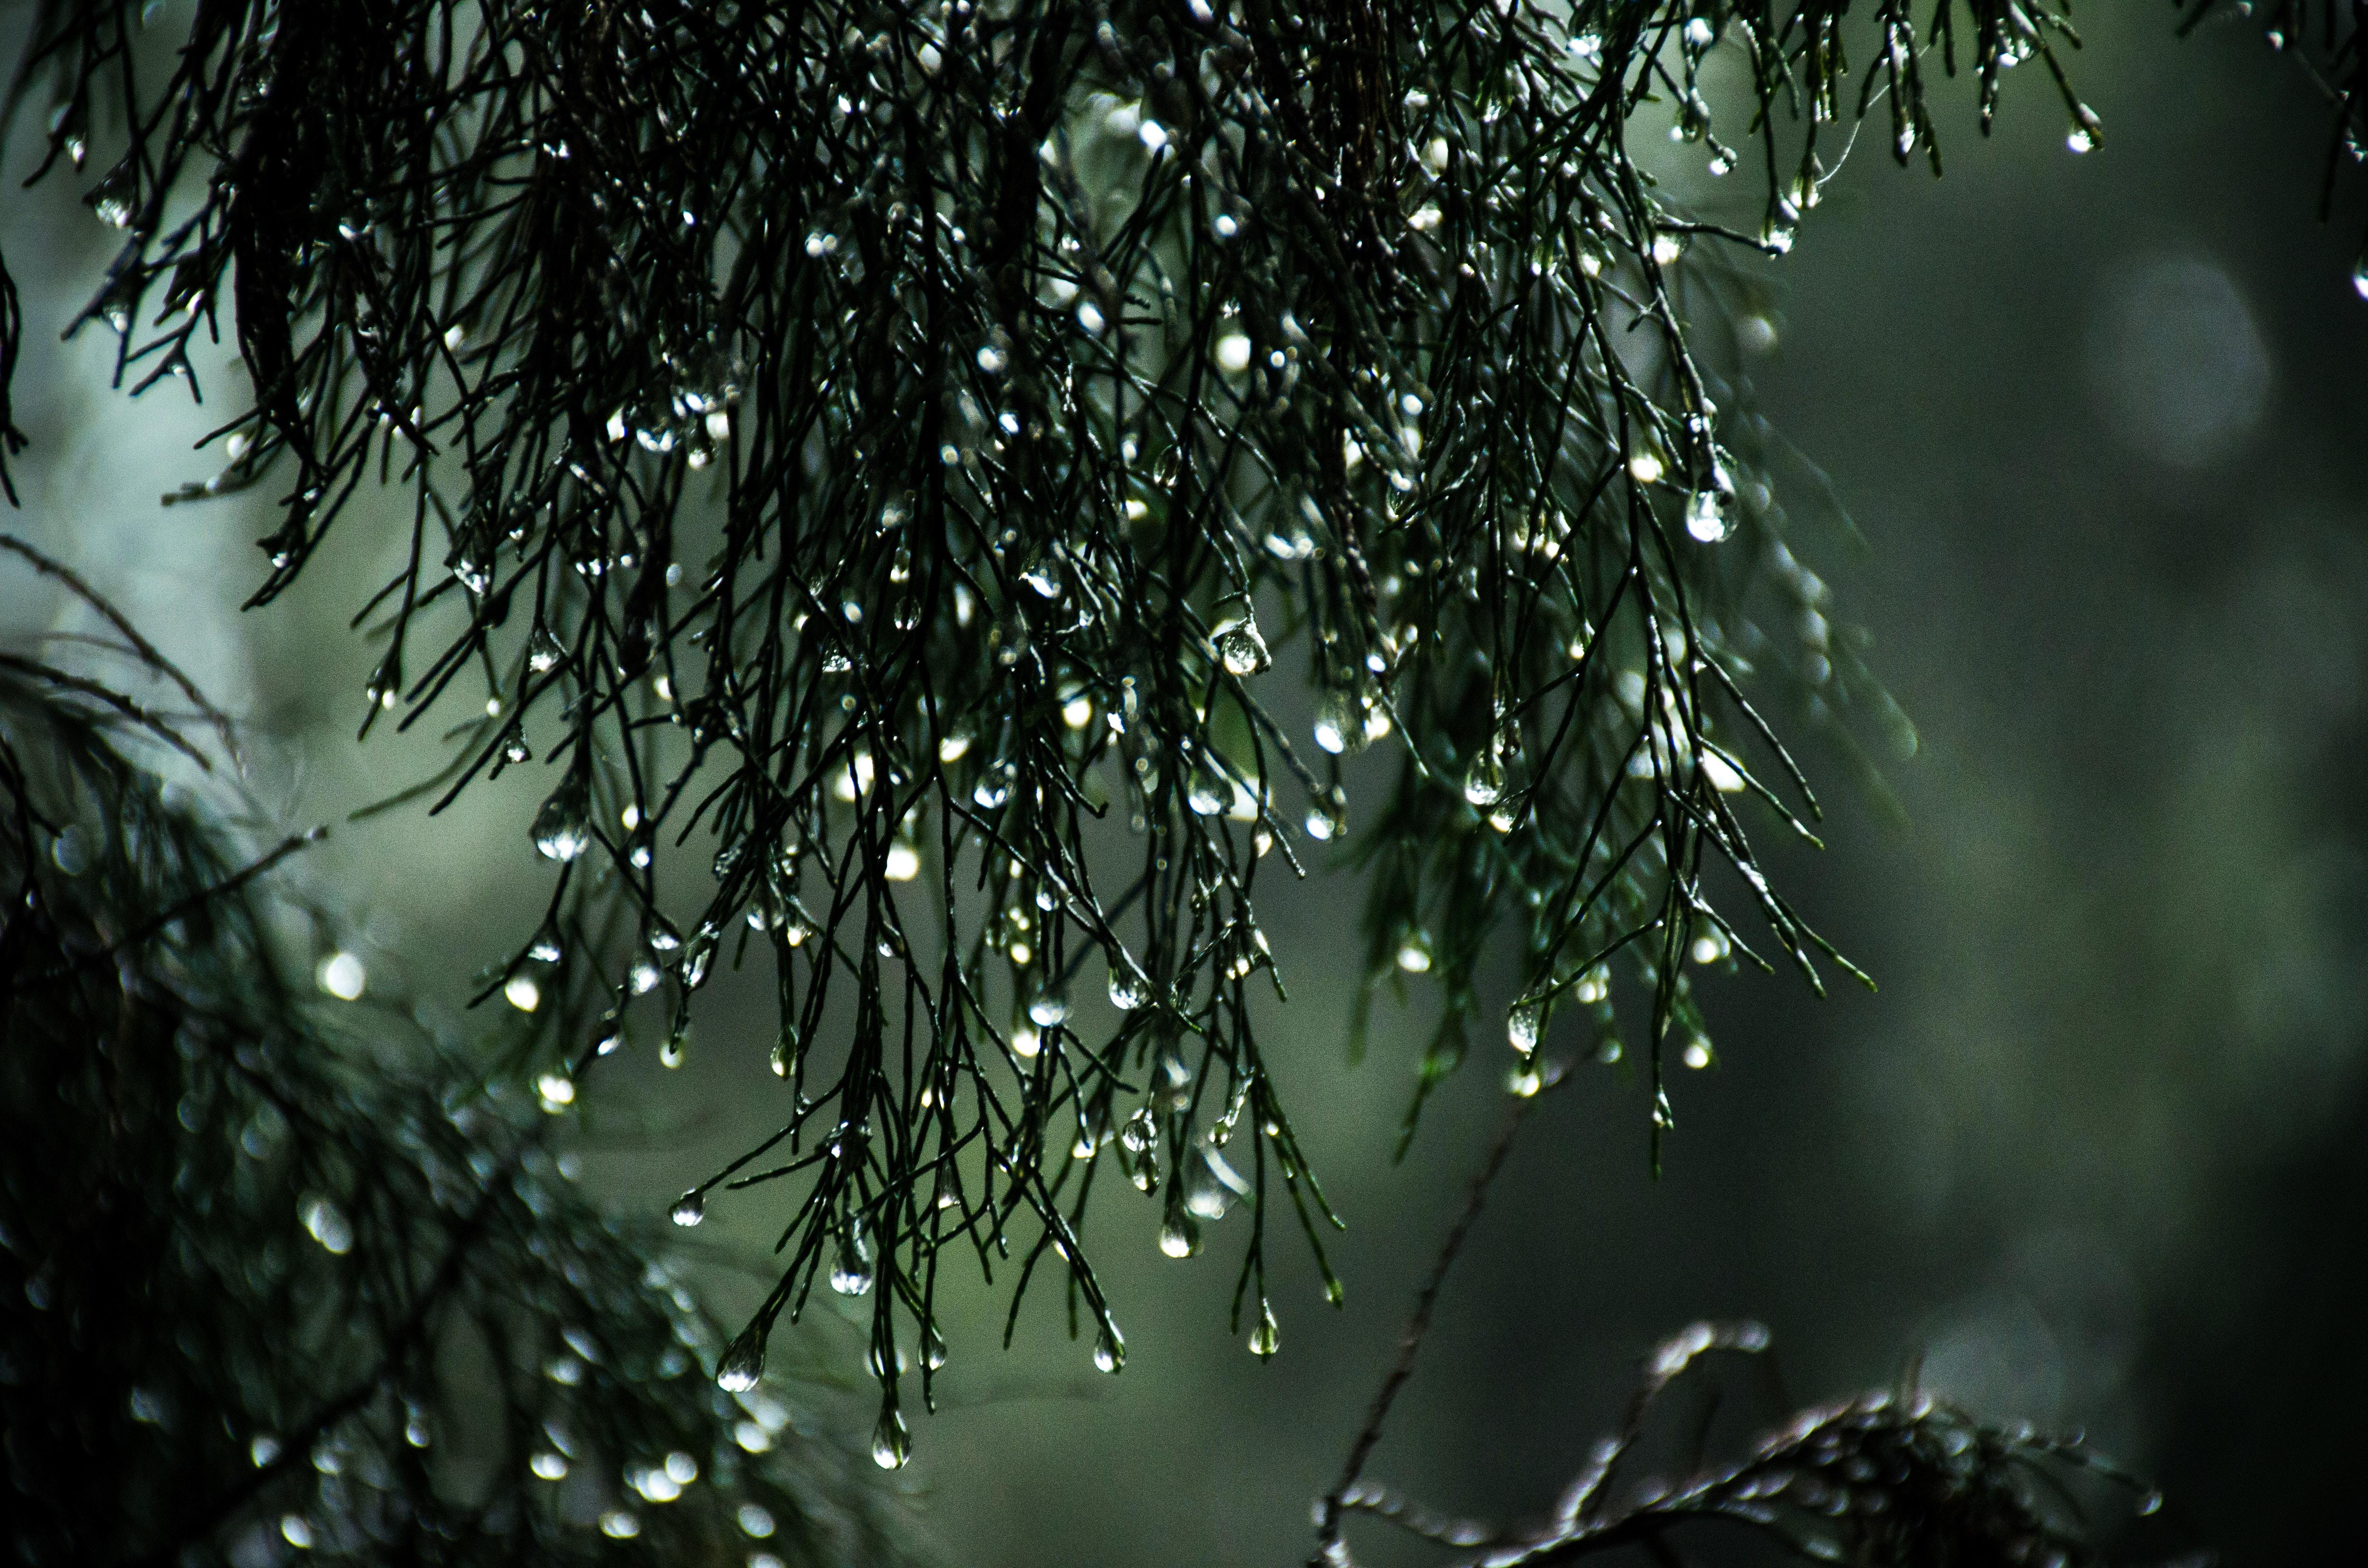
[933, 1348]
[543, 653]
[1044, 576]
[1414, 952]
[1340, 726]
[691, 1208]
[891, 1444]
[1523, 1026]
[852, 1274]
[696, 955]
[1484, 785]
[1208, 790]
[1266, 1336]
[1178, 1236]
[1127, 991]
[114, 198]
[1049, 1009]
[1205, 1197]
[1242, 650]
[562, 830]
[1109, 1350]
[2086, 128]
[1706, 517]
[743, 1366]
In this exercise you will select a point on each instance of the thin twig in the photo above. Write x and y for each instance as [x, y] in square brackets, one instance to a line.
[1329, 1549]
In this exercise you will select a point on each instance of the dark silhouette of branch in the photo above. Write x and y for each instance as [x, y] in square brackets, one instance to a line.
[1329, 1547]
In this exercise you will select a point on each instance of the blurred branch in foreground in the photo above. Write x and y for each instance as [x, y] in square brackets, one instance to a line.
[274, 1279]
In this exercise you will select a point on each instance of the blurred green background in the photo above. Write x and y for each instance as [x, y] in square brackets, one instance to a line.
[2098, 1150]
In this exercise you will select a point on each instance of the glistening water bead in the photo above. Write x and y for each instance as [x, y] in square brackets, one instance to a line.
[1485, 785]
[327, 1224]
[1178, 1236]
[690, 1208]
[1336, 725]
[892, 1443]
[852, 1274]
[562, 829]
[1706, 517]
[1266, 1336]
[743, 1366]
[1243, 650]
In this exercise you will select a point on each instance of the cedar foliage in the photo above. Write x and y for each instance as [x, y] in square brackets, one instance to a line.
[885, 450]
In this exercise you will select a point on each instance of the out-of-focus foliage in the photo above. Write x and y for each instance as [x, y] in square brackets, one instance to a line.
[1895, 1477]
[889, 446]
[270, 1280]
[1889, 1477]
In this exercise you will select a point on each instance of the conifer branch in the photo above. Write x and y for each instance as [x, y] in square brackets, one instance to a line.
[889, 445]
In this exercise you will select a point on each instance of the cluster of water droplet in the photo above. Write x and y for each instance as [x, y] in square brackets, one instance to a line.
[964, 650]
